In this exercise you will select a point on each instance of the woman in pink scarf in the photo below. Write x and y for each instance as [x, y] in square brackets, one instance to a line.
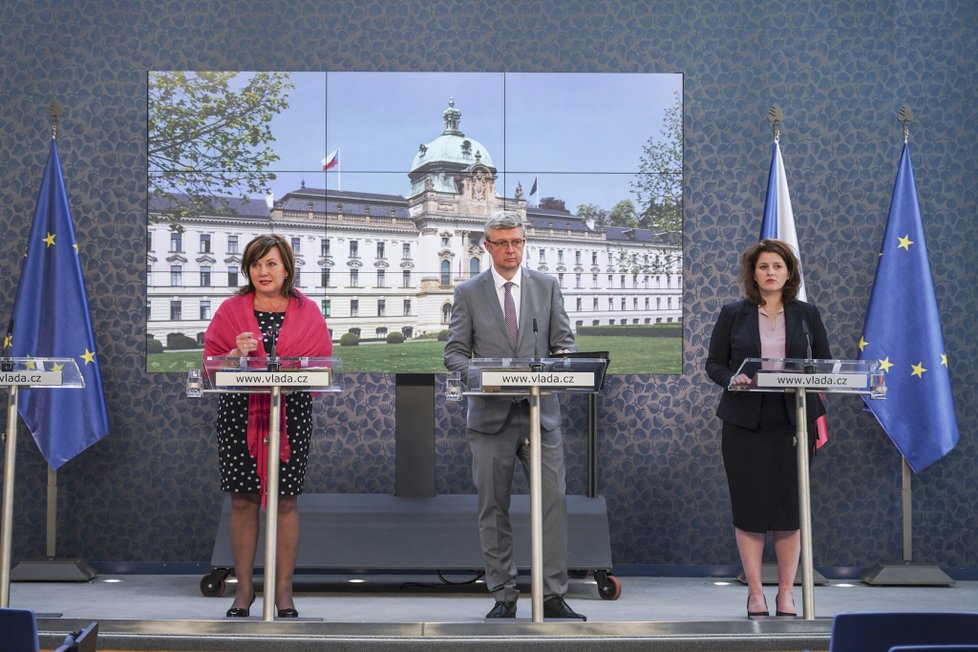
[269, 304]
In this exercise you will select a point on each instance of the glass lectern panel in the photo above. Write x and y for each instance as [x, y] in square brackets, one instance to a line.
[835, 376]
[583, 375]
[40, 372]
[248, 374]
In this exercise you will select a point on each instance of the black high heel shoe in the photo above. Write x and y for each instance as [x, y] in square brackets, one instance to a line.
[288, 612]
[241, 612]
[757, 614]
[778, 612]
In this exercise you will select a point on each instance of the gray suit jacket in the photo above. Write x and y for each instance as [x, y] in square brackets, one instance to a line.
[478, 330]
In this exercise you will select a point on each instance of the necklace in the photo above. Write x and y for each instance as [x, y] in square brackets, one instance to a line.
[278, 304]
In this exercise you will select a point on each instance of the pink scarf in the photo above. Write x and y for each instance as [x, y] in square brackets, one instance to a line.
[303, 334]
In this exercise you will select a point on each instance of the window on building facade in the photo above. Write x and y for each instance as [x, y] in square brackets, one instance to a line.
[577, 257]
[407, 307]
[406, 250]
[324, 277]
[354, 307]
[380, 250]
[594, 304]
[205, 276]
[205, 309]
[205, 243]
[577, 281]
[446, 273]
[176, 241]
[580, 304]
[381, 308]
[324, 247]
[176, 275]
[297, 245]
[444, 241]
[406, 278]
[297, 281]
[381, 278]
[542, 256]
[149, 310]
[354, 248]
[149, 241]
[560, 255]
[611, 303]
[594, 258]
[233, 245]
[594, 280]
[176, 310]
[560, 279]
[473, 267]
[354, 278]
[623, 304]
[232, 277]
[635, 303]
[149, 276]
[381, 332]
[326, 307]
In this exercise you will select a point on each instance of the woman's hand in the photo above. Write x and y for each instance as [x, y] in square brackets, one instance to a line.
[740, 379]
[245, 344]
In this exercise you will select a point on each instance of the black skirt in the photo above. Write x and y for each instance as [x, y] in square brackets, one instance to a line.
[762, 469]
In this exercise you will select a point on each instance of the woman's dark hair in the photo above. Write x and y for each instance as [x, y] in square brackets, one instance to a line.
[258, 249]
[748, 261]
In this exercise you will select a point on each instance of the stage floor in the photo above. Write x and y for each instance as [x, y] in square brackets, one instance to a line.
[380, 612]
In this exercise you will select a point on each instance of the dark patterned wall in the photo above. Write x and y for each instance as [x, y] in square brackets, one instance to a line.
[839, 70]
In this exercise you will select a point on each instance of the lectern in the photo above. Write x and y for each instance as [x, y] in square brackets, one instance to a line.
[531, 378]
[38, 373]
[800, 376]
[274, 376]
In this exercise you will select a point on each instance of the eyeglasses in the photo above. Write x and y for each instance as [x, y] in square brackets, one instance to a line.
[506, 244]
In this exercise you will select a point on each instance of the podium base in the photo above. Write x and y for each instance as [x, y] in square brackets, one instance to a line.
[906, 574]
[52, 570]
[769, 576]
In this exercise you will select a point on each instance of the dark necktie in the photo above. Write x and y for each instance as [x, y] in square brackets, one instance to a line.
[510, 312]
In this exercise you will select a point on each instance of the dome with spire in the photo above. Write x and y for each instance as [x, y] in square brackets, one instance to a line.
[452, 151]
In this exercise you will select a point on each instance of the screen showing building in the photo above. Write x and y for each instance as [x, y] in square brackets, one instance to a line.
[382, 183]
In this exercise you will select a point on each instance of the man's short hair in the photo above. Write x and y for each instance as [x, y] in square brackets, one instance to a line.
[503, 220]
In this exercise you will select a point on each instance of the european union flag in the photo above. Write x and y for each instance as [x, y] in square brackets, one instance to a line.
[903, 332]
[51, 319]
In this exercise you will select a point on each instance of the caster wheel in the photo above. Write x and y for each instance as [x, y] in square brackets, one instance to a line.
[609, 586]
[213, 584]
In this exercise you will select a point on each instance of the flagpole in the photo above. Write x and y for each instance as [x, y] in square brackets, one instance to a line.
[339, 169]
[906, 573]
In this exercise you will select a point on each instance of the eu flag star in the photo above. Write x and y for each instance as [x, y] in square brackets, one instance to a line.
[862, 344]
[918, 370]
[944, 359]
[49, 239]
[886, 364]
[88, 356]
[8, 341]
[905, 242]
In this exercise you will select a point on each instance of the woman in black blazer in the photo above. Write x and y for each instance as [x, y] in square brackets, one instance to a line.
[758, 427]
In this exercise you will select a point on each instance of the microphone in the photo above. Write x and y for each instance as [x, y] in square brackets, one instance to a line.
[273, 363]
[809, 367]
[536, 365]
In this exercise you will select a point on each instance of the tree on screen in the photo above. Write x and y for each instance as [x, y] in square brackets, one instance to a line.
[209, 138]
[658, 186]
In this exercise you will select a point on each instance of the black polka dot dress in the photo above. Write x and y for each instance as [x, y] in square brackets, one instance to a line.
[239, 470]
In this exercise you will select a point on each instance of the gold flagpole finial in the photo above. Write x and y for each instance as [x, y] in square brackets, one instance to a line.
[906, 117]
[55, 113]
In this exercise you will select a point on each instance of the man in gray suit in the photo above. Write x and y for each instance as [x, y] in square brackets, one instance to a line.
[509, 311]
